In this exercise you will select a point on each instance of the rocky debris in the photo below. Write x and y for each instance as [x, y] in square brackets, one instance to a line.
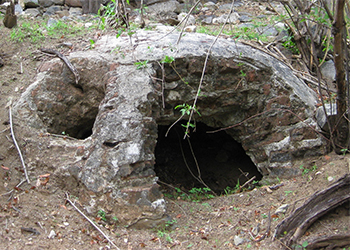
[114, 112]
[169, 12]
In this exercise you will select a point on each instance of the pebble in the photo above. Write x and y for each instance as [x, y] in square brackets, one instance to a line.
[238, 240]
[330, 178]
[282, 209]
[52, 234]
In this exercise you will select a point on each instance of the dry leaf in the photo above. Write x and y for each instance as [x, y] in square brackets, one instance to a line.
[44, 175]
[5, 168]
[44, 182]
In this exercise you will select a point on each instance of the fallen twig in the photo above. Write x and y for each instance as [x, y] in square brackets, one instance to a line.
[248, 181]
[19, 184]
[65, 60]
[17, 147]
[316, 206]
[91, 222]
[2, 131]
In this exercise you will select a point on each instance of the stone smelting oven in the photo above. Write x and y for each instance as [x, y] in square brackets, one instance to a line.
[125, 102]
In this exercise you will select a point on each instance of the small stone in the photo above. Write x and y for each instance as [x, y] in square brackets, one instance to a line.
[52, 234]
[88, 25]
[330, 178]
[238, 240]
[191, 28]
[282, 209]
[244, 18]
[191, 20]
[328, 70]
[51, 22]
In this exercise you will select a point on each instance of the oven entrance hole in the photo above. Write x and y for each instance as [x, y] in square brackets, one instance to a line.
[213, 158]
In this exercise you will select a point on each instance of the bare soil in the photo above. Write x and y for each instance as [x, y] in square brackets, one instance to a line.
[28, 216]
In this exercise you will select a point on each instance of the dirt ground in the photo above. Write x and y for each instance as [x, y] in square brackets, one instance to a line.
[36, 218]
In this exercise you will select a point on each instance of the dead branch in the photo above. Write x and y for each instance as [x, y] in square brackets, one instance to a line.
[316, 206]
[17, 147]
[91, 222]
[65, 60]
[334, 241]
[186, 19]
[248, 181]
[18, 185]
[204, 68]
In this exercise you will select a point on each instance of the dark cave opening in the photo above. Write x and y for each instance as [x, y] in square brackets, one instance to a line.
[77, 127]
[221, 160]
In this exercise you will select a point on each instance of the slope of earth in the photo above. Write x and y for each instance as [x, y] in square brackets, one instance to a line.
[40, 218]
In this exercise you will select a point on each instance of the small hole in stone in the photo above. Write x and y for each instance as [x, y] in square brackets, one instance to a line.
[222, 160]
[110, 144]
[79, 128]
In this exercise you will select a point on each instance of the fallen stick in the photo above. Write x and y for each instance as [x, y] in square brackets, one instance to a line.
[91, 222]
[65, 60]
[17, 147]
[247, 182]
[320, 203]
[9, 192]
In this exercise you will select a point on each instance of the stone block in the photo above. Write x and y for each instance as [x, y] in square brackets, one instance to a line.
[73, 3]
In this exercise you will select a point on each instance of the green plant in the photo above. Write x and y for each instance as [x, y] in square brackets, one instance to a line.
[161, 233]
[60, 29]
[64, 133]
[228, 190]
[32, 31]
[92, 43]
[170, 223]
[289, 43]
[344, 151]
[168, 238]
[306, 170]
[168, 59]
[288, 192]
[186, 109]
[102, 215]
[198, 194]
[141, 65]
[115, 219]
[302, 246]
[108, 11]
[243, 74]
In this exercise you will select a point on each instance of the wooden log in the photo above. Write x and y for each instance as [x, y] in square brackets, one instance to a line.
[329, 241]
[316, 206]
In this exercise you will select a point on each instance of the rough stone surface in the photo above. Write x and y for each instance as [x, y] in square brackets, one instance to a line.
[91, 6]
[163, 7]
[328, 71]
[31, 3]
[73, 3]
[115, 109]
